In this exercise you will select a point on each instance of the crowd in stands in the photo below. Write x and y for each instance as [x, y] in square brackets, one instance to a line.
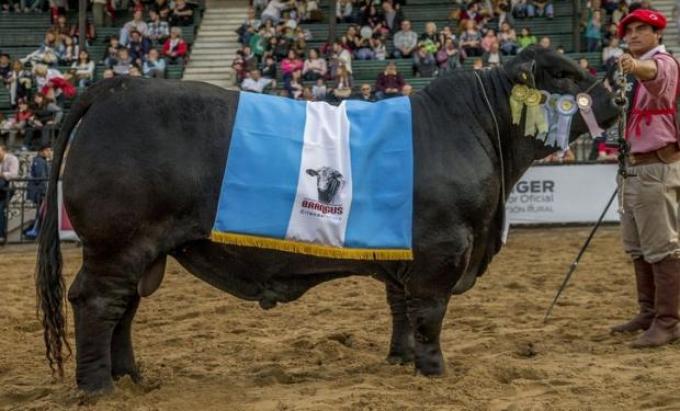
[41, 82]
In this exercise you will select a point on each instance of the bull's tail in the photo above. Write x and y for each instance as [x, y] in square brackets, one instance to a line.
[49, 281]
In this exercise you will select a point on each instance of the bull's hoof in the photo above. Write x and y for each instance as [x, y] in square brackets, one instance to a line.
[96, 389]
[430, 368]
[134, 375]
[400, 358]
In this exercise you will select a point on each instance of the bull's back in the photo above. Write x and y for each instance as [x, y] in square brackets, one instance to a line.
[148, 158]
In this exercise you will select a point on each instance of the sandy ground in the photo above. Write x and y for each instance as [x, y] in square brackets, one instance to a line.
[201, 349]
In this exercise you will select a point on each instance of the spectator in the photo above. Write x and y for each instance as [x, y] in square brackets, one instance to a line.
[280, 47]
[340, 57]
[111, 54]
[269, 68]
[157, 30]
[22, 118]
[374, 20]
[108, 73]
[471, 13]
[609, 34]
[344, 11]
[545, 42]
[46, 116]
[90, 33]
[36, 188]
[504, 14]
[139, 47]
[135, 71]
[378, 48]
[175, 48]
[136, 24]
[488, 39]
[257, 84]
[343, 88]
[525, 38]
[611, 54]
[391, 16]
[493, 57]
[239, 66]
[154, 66]
[319, 90]
[291, 63]
[508, 39]
[430, 38]
[9, 169]
[594, 32]
[389, 82]
[123, 62]
[181, 15]
[273, 11]
[540, 8]
[293, 85]
[520, 8]
[405, 41]
[365, 93]
[585, 65]
[407, 90]
[100, 13]
[83, 69]
[424, 64]
[622, 10]
[162, 8]
[471, 39]
[70, 52]
[250, 23]
[20, 83]
[48, 53]
[448, 57]
[258, 43]
[364, 49]
[5, 69]
[62, 29]
[314, 67]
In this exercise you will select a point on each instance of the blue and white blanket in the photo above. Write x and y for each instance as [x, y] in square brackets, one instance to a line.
[312, 178]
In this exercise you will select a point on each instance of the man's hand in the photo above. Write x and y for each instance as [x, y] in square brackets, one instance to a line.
[642, 69]
[628, 64]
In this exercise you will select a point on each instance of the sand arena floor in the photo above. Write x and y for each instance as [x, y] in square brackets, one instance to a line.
[201, 349]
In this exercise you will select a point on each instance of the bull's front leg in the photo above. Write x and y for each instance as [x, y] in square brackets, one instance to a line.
[402, 342]
[425, 315]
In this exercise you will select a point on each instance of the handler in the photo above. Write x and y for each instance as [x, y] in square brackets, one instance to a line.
[649, 223]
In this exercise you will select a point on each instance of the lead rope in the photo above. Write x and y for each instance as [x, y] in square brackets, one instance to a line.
[621, 100]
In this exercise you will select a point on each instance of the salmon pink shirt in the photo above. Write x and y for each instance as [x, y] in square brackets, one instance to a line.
[651, 124]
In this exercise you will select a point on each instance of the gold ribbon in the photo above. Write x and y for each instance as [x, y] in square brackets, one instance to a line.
[517, 97]
[535, 121]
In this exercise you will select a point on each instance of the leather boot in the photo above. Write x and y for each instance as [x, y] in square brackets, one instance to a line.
[665, 327]
[644, 280]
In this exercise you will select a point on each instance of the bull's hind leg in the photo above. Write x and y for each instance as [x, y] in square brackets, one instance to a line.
[426, 316]
[402, 343]
[101, 296]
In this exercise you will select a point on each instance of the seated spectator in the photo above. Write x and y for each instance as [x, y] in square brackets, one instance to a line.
[273, 10]
[154, 65]
[488, 39]
[540, 8]
[257, 84]
[70, 53]
[493, 57]
[448, 57]
[585, 65]
[111, 53]
[181, 15]
[139, 47]
[424, 64]
[5, 69]
[507, 39]
[391, 16]
[371, 18]
[83, 69]
[340, 57]
[344, 11]
[545, 42]
[299, 42]
[319, 90]
[123, 62]
[281, 48]
[407, 90]
[258, 43]
[471, 12]
[504, 13]
[520, 8]
[343, 87]
[136, 24]
[157, 30]
[269, 68]
[61, 28]
[293, 84]
[21, 121]
[135, 71]
[239, 66]
[609, 34]
[405, 41]
[20, 84]
[175, 48]
[593, 32]
[161, 7]
[291, 63]
[378, 48]
[525, 38]
[471, 39]
[364, 49]
[314, 67]
[622, 10]
[430, 38]
[48, 52]
[250, 25]
[46, 116]
[108, 73]
[611, 54]
[365, 93]
[389, 82]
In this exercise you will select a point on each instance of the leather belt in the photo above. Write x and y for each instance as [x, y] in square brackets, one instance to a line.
[666, 154]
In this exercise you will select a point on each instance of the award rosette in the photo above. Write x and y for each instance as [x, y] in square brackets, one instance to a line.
[517, 98]
[548, 113]
[585, 104]
[566, 108]
[535, 121]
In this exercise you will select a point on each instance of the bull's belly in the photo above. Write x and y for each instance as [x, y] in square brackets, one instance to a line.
[262, 275]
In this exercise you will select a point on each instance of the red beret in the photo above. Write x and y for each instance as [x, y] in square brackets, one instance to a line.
[651, 17]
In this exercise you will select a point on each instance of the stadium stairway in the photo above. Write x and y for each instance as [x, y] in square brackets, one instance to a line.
[216, 43]
[671, 36]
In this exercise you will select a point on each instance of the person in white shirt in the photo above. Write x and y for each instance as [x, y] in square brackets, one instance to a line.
[9, 169]
[256, 83]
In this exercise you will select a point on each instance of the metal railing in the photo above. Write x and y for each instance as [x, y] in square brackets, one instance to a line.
[19, 212]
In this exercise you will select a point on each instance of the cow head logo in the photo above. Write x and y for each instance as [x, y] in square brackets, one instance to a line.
[328, 183]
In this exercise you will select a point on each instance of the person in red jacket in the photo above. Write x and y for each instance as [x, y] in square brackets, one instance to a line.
[175, 48]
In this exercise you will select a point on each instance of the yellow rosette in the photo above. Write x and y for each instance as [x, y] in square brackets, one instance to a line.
[517, 97]
[535, 121]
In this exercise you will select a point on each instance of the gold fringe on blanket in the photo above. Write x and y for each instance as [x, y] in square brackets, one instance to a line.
[310, 248]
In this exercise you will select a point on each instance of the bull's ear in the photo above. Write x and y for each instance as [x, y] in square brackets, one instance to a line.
[312, 173]
[522, 72]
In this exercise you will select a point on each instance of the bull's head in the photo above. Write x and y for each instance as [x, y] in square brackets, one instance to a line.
[328, 183]
[548, 70]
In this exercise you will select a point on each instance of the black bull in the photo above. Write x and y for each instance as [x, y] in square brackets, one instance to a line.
[142, 182]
